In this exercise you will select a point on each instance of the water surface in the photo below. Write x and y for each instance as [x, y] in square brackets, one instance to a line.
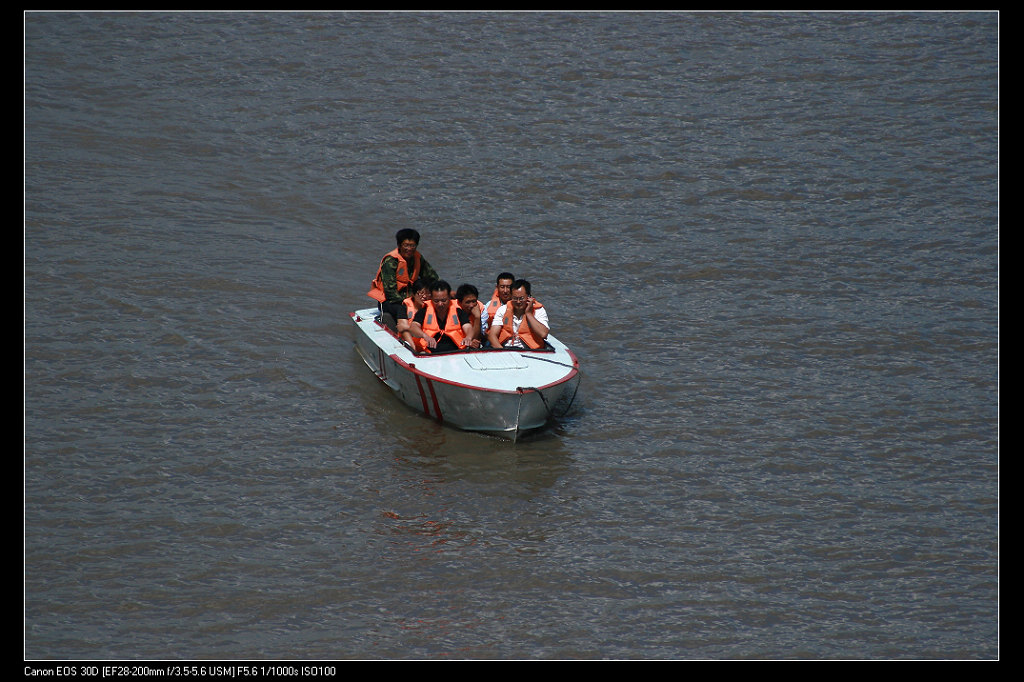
[771, 239]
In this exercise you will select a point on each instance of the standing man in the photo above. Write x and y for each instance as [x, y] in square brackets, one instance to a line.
[397, 271]
[521, 323]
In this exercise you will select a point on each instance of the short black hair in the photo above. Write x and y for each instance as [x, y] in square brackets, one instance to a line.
[465, 290]
[407, 233]
[420, 285]
[440, 285]
[521, 284]
[505, 275]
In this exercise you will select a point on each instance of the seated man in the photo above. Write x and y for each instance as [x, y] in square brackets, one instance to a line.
[502, 292]
[469, 300]
[418, 298]
[397, 271]
[521, 323]
[441, 325]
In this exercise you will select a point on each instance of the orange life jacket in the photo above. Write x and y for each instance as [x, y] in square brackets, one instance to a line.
[410, 310]
[495, 303]
[524, 332]
[452, 326]
[403, 276]
[492, 307]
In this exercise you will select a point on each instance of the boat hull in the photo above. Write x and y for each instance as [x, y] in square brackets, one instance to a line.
[504, 392]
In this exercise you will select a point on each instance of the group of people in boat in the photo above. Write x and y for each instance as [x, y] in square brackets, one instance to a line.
[423, 310]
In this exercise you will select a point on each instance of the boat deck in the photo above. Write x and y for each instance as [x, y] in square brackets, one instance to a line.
[496, 370]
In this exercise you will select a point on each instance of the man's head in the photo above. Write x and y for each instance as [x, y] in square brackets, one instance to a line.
[408, 240]
[440, 296]
[421, 290]
[520, 296]
[467, 296]
[504, 285]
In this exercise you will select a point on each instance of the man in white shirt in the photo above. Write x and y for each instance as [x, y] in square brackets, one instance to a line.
[520, 323]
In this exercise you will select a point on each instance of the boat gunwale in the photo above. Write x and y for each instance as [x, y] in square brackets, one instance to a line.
[411, 367]
[417, 371]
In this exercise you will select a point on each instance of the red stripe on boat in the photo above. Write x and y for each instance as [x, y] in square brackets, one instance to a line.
[433, 397]
[423, 396]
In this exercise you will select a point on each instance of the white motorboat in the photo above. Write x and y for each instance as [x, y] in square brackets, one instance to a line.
[499, 391]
